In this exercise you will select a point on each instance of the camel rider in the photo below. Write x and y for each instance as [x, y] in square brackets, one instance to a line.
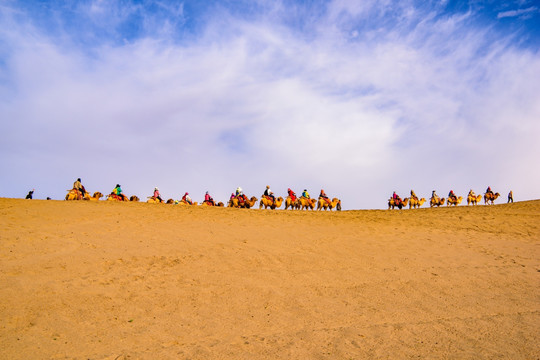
[79, 188]
[413, 195]
[157, 195]
[323, 195]
[292, 195]
[208, 199]
[452, 196]
[488, 190]
[396, 198]
[471, 193]
[118, 192]
[434, 195]
[269, 194]
[187, 199]
[240, 195]
[305, 194]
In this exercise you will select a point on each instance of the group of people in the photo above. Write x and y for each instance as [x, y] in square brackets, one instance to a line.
[451, 195]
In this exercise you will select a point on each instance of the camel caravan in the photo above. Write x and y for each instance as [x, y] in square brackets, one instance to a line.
[237, 199]
[268, 201]
[435, 201]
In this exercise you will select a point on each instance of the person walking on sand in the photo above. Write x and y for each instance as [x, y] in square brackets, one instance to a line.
[30, 194]
[510, 197]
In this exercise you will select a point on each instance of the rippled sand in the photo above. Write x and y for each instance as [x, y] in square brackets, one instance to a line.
[82, 280]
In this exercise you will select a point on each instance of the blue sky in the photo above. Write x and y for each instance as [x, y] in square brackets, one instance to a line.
[361, 98]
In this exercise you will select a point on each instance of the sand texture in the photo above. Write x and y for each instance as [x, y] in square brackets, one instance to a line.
[107, 280]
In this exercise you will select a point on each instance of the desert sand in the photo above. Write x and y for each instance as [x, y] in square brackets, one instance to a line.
[107, 280]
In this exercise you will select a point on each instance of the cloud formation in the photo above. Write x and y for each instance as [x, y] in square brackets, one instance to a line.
[358, 99]
[518, 12]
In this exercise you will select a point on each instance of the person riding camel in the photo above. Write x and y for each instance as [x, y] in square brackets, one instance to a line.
[489, 191]
[208, 199]
[269, 194]
[452, 196]
[435, 196]
[240, 195]
[323, 195]
[79, 189]
[305, 194]
[471, 193]
[186, 198]
[157, 195]
[413, 195]
[291, 194]
[396, 198]
[117, 191]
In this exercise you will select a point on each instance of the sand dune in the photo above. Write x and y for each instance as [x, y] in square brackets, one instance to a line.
[102, 280]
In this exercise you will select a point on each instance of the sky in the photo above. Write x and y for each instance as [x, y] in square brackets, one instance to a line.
[359, 98]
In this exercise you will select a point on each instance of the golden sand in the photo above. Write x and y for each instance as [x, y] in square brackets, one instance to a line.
[103, 280]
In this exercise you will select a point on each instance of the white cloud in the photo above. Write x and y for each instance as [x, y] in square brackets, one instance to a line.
[518, 12]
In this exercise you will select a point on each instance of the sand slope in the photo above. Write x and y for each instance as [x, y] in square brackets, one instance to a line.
[82, 280]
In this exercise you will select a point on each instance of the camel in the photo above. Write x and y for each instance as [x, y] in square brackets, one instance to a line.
[153, 200]
[490, 198]
[184, 202]
[206, 203]
[403, 203]
[473, 199]
[415, 203]
[134, 198]
[75, 195]
[290, 203]
[305, 203]
[266, 202]
[246, 204]
[456, 202]
[114, 197]
[97, 195]
[436, 202]
[323, 204]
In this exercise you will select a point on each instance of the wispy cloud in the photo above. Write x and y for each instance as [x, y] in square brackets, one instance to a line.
[518, 12]
[427, 100]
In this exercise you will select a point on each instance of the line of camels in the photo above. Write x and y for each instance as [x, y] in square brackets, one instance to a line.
[299, 203]
[414, 203]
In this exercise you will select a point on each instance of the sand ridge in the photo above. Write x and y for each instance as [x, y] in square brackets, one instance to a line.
[106, 280]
